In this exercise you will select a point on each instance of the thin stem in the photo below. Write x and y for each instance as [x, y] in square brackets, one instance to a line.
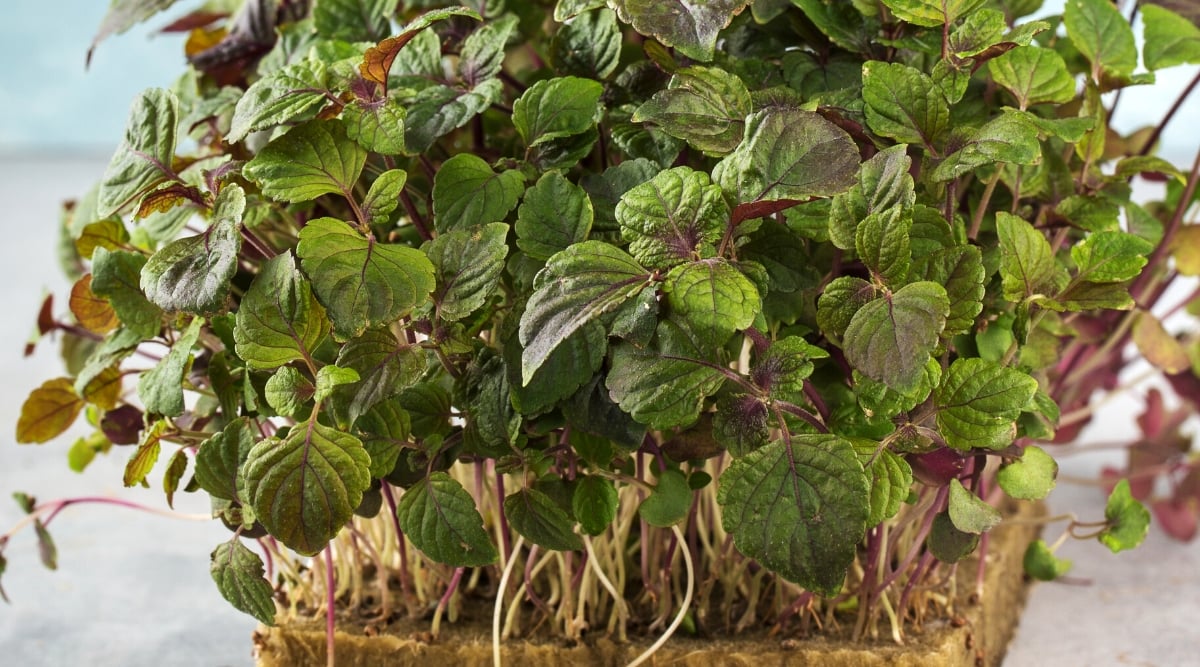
[390, 499]
[982, 208]
[1162, 124]
[498, 608]
[683, 608]
[445, 601]
[1144, 281]
[415, 216]
[330, 620]
[618, 598]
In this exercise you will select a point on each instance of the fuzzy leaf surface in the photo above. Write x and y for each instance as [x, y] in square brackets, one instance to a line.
[536, 516]
[362, 283]
[192, 274]
[979, 402]
[800, 509]
[581, 284]
[279, 320]
[311, 160]
[689, 27]
[704, 106]
[679, 215]
[467, 265]
[788, 154]
[554, 214]
[466, 193]
[890, 339]
[143, 159]
[305, 487]
[239, 575]
[441, 519]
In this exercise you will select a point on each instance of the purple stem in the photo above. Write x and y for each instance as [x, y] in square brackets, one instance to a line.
[445, 601]
[390, 499]
[270, 560]
[926, 525]
[926, 560]
[529, 592]
[794, 607]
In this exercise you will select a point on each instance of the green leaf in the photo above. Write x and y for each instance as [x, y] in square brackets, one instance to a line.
[800, 509]
[311, 160]
[1030, 477]
[288, 392]
[1041, 563]
[982, 30]
[667, 387]
[589, 45]
[960, 269]
[1034, 75]
[279, 320]
[554, 214]
[594, 504]
[362, 283]
[890, 338]
[439, 109]
[1170, 39]
[788, 154]
[670, 501]
[116, 276]
[440, 518]
[483, 52]
[740, 423]
[466, 193]
[969, 512]
[1027, 265]
[568, 9]
[385, 368]
[979, 402]
[1128, 520]
[377, 125]
[782, 369]
[704, 106]
[238, 573]
[843, 297]
[535, 515]
[904, 104]
[606, 189]
[331, 377]
[1093, 296]
[947, 543]
[557, 108]
[1010, 138]
[1110, 257]
[1093, 213]
[384, 431]
[353, 20]
[691, 28]
[305, 487]
[1104, 37]
[192, 274]
[161, 388]
[882, 242]
[884, 186]
[931, 13]
[677, 216]
[569, 367]
[293, 93]
[579, 285]
[143, 160]
[713, 297]
[891, 479]
[384, 196]
[467, 265]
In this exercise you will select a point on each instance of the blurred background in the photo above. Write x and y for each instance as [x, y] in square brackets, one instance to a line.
[133, 588]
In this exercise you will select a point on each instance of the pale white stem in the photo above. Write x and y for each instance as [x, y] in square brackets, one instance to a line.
[683, 609]
[498, 608]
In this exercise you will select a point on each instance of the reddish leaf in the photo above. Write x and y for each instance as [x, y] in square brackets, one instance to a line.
[1177, 518]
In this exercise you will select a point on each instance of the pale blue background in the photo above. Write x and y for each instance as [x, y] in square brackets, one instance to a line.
[49, 101]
